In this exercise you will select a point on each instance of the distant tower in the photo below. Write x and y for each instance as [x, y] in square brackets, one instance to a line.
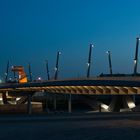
[89, 60]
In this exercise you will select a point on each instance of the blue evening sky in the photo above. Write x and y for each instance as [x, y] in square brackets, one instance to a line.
[34, 30]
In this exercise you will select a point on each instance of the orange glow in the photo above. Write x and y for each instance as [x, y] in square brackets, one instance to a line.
[22, 75]
[23, 80]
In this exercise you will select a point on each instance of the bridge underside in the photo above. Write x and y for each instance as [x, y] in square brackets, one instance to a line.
[85, 90]
[122, 95]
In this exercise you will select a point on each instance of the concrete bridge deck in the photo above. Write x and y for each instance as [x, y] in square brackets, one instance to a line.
[92, 86]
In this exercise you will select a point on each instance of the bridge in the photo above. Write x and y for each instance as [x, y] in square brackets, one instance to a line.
[93, 86]
[125, 87]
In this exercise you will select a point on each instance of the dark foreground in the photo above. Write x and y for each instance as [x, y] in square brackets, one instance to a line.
[96, 126]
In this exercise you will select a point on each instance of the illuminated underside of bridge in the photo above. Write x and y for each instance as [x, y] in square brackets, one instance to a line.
[94, 86]
[91, 90]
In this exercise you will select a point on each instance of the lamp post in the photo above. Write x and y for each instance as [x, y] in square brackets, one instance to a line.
[109, 60]
[30, 73]
[7, 72]
[136, 56]
[47, 69]
[89, 60]
[56, 75]
[57, 65]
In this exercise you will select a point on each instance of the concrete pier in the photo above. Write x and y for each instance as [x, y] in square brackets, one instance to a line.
[69, 104]
[54, 101]
[29, 105]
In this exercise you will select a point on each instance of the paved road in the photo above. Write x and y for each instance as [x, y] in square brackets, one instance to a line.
[104, 126]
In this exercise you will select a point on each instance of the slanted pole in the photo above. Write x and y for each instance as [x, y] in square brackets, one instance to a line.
[109, 61]
[136, 56]
[57, 65]
[30, 73]
[89, 61]
[7, 72]
[47, 69]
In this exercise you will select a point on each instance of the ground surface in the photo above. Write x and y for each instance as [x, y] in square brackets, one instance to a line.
[95, 126]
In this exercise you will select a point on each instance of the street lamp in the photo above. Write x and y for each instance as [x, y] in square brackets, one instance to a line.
[57, 66]
[89, 60]
[47, 69]
[56, 76]
[7, 72]
[30, 73]
[136, 56]
[109, 60]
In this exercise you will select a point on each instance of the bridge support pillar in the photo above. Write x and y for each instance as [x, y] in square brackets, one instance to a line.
[121, 102]
[69, 104]
[45, 104]
[4, 98]
[29, 105]
[54, 102]
[134, 99]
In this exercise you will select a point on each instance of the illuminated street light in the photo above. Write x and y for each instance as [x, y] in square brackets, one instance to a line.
[88, 64]
[89, 61]
[57, 65]
[109, 60]
[39, 78]
[136, 56]
[135, 61]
